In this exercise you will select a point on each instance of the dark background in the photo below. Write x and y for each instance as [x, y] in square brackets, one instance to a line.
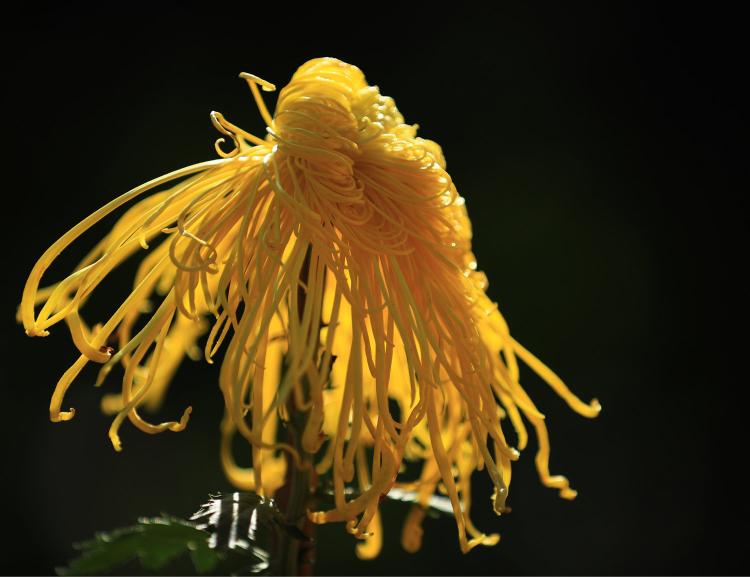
[596, 151]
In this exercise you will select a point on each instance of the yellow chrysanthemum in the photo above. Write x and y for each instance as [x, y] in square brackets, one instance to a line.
[340, 236]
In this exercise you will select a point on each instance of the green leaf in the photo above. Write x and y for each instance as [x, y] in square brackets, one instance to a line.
[204, 559]
[250, 516]
[230, 534]
[155, 542]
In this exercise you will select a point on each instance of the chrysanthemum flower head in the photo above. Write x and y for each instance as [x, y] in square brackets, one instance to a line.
[332, 261]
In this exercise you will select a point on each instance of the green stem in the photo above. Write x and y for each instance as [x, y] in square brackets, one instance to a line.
[299, 496]
[294, 558]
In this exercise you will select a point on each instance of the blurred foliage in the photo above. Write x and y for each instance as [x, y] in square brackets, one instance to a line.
[155, 542]
[229, 534]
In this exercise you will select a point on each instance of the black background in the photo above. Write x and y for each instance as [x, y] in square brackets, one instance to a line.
[596, 151]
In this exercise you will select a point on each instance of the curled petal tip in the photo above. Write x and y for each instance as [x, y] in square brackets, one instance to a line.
[57, 417]
[593, 409]
[35, 332]
[264, 84]
[116, 444]
[568, 493]
[177, 427]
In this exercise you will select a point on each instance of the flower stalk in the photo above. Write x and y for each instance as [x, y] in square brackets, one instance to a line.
[295, 557]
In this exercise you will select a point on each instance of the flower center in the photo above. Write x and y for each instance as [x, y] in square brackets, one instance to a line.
[328, 107]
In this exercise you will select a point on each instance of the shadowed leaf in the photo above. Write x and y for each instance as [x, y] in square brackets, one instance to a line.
[230, 534]
[155, 542]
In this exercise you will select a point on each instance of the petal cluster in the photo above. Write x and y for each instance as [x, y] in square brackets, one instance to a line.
[331, 263]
